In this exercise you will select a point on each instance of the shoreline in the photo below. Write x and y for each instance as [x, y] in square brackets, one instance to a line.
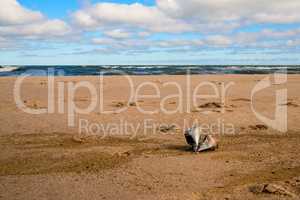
[154, 75]
[145, 70]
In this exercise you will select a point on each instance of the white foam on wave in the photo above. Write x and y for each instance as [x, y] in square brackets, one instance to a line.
[233, 67]
[8, 68]
[142, 67]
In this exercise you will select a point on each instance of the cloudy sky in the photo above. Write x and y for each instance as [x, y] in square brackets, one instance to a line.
[149, 32]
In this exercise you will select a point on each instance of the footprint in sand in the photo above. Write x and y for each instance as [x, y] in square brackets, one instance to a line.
[122, 104]
[211, 105]
[132, 104]
[167, 128]
[216, 82]
[81, 99]
[242, 99]
[118, 104]
[43, 83]
[258, 127]
[291, 104]
[35, 104]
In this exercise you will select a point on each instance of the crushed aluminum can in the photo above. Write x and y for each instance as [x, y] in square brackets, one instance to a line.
[200, 141]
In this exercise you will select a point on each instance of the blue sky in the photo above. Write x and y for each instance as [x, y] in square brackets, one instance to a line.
[60, 9]
[149, 32]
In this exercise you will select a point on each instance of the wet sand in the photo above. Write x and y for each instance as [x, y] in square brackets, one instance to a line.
[42, 157]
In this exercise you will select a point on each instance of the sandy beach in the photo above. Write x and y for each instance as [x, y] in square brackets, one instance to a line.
[97, 158]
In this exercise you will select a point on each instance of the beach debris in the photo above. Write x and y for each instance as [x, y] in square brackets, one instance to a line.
[290, 104]
[77, 139]
[217, 83]
[270, 189]
[34, 104]
[127, 153]
[256, 189]
[123, 154]
[43, 83]
[118, 104]
[132, 104]
[242, 128]
[158, 81]
[166, 128]
[199, 140]
[258, 127]
[210, 105]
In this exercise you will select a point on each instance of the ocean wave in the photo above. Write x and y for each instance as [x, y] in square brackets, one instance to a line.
[267, 67]
[77, 70]
[8, 68]
[233, 67]
[108, 66]
[142, 67]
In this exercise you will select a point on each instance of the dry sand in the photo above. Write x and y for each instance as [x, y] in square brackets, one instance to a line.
[42, 158]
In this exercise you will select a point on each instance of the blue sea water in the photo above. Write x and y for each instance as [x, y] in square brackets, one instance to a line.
[80, 70]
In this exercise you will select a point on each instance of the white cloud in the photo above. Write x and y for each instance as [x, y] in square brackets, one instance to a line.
[3, 43]
[178, 16]
[126, 27]
[11, 12]
[116, 44]
[181, 43]
[118, 34]
[143, 34]
[44, 28]
[135, 15]
[293, 43]
[146, 45]
[259, 11]
[102, 41]
[219, 40]
[18, 21]
[265, 39]
[280, 34]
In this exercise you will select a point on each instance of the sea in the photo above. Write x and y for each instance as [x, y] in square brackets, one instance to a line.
[94, 70]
